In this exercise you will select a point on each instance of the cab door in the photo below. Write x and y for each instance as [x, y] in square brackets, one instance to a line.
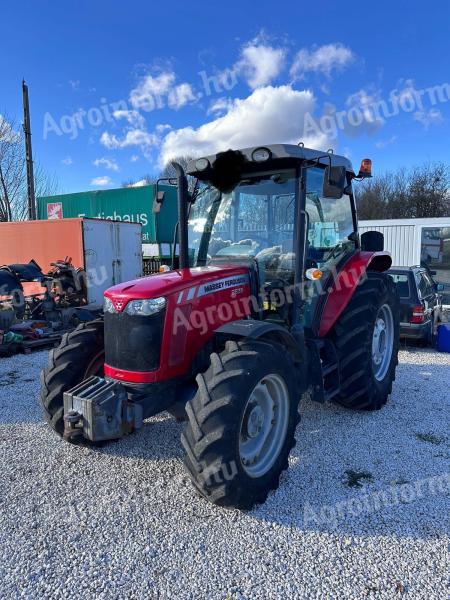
[330, 240]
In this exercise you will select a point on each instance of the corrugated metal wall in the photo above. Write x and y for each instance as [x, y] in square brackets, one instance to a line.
[402, 241]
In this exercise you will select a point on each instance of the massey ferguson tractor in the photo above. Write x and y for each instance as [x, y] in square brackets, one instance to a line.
[272, 295]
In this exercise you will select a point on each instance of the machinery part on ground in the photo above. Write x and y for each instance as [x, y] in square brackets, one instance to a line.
[99, 410]
[366, 337]
[68, 283]
[242, 423]
[79, 356]
[64, 286]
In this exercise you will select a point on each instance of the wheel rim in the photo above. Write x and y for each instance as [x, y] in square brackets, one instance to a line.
[264, 425]
[382, 342]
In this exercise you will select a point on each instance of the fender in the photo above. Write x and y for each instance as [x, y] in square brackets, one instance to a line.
[262, 330]
[345, 284]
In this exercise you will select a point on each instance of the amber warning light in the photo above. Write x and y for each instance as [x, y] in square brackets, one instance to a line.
[365, 169]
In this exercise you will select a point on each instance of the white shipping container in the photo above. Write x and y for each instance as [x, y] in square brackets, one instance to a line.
[112, 254]
[417, 242]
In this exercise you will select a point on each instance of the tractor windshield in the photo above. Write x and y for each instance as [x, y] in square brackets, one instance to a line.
[254, 221]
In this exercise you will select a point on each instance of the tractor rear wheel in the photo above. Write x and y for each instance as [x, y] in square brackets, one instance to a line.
[366, 337]
[241, 423]
[80, 355]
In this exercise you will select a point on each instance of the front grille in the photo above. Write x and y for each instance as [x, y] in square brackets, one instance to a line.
[133, 343]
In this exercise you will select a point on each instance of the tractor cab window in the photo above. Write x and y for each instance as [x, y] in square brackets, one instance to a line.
[255, 221]
[330, 223]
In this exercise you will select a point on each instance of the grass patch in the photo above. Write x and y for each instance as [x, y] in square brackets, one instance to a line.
[356, 478]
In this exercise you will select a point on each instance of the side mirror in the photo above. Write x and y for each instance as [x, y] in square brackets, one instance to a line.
[158, 201]
[334, 182]
[372, 241]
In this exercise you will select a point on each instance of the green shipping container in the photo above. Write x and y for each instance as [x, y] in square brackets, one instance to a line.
[133, 204]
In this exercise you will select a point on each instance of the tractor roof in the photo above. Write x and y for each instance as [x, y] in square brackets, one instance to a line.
[281, 151]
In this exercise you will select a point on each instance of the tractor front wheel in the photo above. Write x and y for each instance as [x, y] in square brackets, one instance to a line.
[80, 355]
[241, 423]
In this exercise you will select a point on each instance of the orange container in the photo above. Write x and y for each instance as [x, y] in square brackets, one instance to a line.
[43, 241]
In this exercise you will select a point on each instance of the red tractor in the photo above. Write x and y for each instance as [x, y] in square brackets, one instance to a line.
[273, 295]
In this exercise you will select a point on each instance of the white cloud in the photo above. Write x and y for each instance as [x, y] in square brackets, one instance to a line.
[133, 137]
[323, 59]
[269, 115]
[67, 161]
[107, 163]
[155, 92]
[140, 183]
[220, 106]
[260, 63]
[133, 117]
[101, 181]
[160, 129]
[363, 115]
[134, 158]
[180, 95]
[74, 84]
[428, 118]
[383, 143]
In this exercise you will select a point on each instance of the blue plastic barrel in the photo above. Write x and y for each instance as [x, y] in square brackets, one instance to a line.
[443, 337]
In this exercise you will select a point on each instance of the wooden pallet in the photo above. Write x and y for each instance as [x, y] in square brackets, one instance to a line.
[51, 341]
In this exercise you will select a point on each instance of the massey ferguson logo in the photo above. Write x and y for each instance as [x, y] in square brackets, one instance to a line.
[118, 304]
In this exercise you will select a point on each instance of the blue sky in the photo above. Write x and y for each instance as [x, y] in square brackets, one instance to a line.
[116, 89]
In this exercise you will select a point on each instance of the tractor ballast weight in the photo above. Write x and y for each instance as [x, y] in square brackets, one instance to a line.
[275, 294]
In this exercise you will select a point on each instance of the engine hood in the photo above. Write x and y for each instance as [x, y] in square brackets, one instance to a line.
[166, 284]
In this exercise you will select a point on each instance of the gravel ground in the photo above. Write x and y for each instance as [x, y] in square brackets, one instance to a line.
[362, 512]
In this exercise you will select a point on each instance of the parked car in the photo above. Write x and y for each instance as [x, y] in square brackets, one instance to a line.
[420, 303]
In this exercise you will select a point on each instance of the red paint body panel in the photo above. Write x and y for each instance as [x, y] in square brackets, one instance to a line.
[199, 301]
[344, 287]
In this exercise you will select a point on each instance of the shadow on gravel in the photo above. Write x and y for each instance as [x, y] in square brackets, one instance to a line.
[159, 439]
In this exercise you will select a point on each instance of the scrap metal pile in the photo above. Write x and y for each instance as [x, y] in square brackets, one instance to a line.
[36, 308]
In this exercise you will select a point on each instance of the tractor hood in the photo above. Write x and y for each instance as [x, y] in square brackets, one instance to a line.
[166, 284]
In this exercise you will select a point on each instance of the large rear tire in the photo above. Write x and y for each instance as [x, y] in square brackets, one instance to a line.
[80, 355]
[366, 337]
[241, 424]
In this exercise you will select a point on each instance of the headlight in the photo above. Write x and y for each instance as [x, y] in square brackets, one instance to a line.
[108, 306]
[145, 308]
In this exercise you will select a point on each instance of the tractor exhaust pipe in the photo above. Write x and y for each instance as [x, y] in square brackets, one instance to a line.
[182, 215]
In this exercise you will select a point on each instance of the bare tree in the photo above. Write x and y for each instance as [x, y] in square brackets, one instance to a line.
[422, 191]
[13, 177]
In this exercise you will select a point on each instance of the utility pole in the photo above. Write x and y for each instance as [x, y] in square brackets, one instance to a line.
[28, 153]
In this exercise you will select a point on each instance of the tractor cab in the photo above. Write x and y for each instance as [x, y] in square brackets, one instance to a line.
[285, 211]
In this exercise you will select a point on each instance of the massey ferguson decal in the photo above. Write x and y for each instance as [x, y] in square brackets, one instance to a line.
[213, 286]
